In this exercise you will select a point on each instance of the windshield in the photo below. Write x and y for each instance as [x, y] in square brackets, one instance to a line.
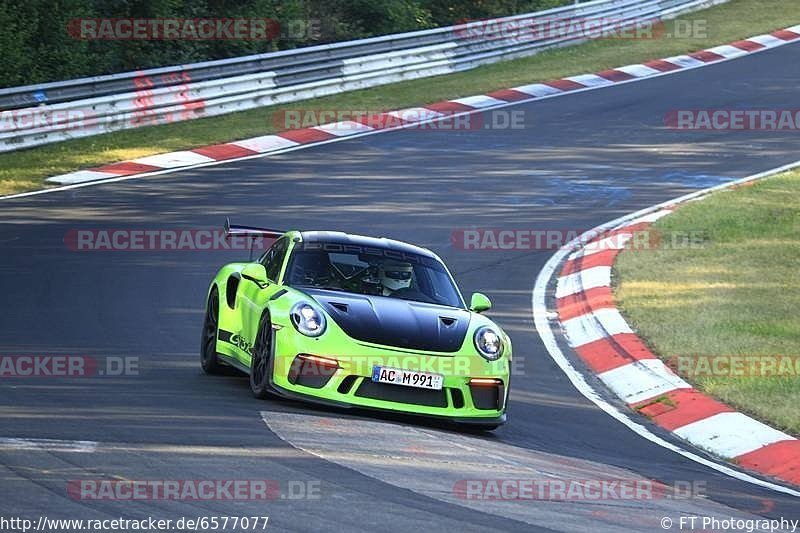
[372, 271]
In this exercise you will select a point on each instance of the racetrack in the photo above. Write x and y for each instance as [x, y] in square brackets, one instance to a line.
[581, 160]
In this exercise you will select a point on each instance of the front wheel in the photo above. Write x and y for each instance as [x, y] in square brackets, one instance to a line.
[259, 362]
[208, 346]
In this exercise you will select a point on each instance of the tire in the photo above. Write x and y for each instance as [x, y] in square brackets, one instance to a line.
[208, 341]
[260, 361]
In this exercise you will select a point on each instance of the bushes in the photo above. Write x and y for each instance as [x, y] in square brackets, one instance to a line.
[37, 47]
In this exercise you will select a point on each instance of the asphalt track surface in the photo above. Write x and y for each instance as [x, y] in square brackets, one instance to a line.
[581, 160]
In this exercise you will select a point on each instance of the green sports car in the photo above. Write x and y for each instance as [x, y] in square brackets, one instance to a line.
[356, 321]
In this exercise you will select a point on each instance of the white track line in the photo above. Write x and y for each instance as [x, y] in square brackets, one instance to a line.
[543, 327]
[50, 445]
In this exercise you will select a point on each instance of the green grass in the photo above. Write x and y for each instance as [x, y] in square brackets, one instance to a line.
[737, 294]
[26, 169]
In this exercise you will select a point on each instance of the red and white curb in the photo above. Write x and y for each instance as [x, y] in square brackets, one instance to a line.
[405, 118]
[605, 342]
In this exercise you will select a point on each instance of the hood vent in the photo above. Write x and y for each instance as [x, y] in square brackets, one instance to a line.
[339, 306]
[394, 321]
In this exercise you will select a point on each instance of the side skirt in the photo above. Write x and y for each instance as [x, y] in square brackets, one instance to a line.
[235, 363]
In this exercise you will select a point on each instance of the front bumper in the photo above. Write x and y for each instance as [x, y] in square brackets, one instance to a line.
[349, 383]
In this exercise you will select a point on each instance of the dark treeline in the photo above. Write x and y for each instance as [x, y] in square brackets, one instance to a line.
[38, 37]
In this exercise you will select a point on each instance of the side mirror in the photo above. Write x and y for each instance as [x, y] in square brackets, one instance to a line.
[479, 302]
[255, 272]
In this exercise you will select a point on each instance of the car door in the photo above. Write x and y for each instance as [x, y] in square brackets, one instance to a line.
[253, 297]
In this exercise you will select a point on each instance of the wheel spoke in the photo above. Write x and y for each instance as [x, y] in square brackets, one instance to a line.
[261, 356]
[210, 334]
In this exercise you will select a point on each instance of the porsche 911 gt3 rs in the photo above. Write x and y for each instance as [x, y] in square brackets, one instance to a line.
[357, 321]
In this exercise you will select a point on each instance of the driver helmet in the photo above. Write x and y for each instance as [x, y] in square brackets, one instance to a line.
[395, 275]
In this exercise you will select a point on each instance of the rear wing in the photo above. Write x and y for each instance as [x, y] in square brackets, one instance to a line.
[251, 232]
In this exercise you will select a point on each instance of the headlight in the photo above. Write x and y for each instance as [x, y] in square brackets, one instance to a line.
[488, 343]
[307, 320]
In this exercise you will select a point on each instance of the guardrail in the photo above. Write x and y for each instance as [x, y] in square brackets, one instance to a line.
[60, 111]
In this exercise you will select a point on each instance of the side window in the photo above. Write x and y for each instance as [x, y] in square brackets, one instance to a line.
[273, 259]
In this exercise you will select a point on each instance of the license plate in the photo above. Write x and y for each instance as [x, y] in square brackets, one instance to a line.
[408, 378]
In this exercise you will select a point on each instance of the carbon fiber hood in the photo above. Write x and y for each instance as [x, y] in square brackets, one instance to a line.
[395, 322]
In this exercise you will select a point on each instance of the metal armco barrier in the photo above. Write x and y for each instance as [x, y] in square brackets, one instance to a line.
[60, 111]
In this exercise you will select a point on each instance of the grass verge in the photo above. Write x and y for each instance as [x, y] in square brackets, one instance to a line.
[26, 169]
[737, 294]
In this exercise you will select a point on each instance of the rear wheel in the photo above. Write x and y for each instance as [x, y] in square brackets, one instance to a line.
[259, 362]
[208, 345]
